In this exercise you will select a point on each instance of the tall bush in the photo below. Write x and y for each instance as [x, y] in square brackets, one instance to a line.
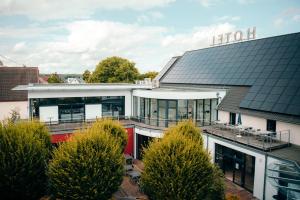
[89, 166]
[187, 128]
[177, 168]
[24, 153]
[112, 127]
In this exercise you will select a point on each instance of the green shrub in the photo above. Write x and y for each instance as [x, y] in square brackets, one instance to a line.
[177, 167]
[188, 129]
[89, 166]
[112, 127]
[24, 153]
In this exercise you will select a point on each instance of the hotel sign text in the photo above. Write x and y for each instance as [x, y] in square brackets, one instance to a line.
[236, 36]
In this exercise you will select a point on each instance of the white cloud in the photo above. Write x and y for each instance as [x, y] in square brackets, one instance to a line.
[209, 3]
[198, 38]
[89, 41]
[287, 16]
[74, 9]
[150, 17]
[278, 22]
[245, 1]
[227, 18]
[19, 47]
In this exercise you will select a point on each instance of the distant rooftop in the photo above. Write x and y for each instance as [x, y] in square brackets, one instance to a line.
[10, 77]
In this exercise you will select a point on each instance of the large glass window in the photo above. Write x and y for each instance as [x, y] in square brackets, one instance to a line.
[207, 109]
[113, 106]
[147, 111]
[71, 112]
[200, 112]
[153, 113]
[162, 114]
[135, 106]
[172, 112]
[142, 109]
[214, 111]
[182, 109]
[190, 109]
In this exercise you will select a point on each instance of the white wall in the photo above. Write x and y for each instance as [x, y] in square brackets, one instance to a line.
[48, 113]
[223, 116]
[93, 111]
[255, 122]
[7, 107]
[259, 161]
[294, 131]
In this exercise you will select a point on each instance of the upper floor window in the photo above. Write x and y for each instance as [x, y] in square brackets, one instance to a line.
[271, 125]
[232, 118]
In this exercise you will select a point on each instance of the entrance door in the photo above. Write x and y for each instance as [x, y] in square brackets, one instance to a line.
[142, 141]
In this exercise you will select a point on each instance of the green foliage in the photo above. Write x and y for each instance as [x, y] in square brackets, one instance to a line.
[111, 127]
[114, 70]
[89, 166]
[150, 74]
[177, 167]
[24, 153]
[187, 128]
[54, 78]
[86, 75]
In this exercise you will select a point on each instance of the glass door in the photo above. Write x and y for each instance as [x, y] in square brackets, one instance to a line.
[162, 113]
[172, 112]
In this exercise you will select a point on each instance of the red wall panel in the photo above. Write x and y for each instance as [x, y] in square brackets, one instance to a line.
[129, 147]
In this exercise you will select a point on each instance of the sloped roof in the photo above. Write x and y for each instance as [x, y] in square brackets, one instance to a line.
[10, 77]
[269, 66]
[236, 94]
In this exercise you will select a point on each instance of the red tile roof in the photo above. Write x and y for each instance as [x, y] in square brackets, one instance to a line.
[10, 77]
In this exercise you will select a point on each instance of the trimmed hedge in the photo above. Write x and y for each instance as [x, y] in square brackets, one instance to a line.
[178, 167]
[24, 153]
[89, 166]
[111, 127]
[188, 129]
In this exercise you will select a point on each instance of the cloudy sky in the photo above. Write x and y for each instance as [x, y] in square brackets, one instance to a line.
[73, 35]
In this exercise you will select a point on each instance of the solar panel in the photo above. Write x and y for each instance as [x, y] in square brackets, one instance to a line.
[271, 66]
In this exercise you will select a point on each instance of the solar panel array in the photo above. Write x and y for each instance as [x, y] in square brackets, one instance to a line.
[271, 66]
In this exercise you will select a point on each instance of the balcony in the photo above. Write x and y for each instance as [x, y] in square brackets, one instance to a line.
[262, 140]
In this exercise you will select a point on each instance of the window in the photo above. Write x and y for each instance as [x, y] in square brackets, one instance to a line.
[232, 118]
[271, 125]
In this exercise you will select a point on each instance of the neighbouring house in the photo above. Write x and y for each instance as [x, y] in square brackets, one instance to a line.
[11, 100]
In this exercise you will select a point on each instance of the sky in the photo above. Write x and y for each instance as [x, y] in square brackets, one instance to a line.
[74, 35]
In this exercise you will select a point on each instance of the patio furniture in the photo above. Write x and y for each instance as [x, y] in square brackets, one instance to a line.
[134, 176]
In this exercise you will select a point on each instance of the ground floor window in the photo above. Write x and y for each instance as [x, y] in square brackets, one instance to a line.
[237, 166]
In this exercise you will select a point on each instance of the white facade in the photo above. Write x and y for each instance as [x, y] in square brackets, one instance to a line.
[20, 106]
[49, 114]
[93, 111]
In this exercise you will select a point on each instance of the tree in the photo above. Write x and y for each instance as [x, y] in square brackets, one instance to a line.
[177, 167]
[188, 129]
[86, 75]
[111, 127]
[150, 74]
[24, 153]
[89, 166]
[54, 78]
[113, 70]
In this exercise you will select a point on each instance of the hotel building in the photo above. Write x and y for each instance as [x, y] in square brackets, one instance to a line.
[244, 96]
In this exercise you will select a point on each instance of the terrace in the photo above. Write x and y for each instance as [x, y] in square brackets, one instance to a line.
[259, 139]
